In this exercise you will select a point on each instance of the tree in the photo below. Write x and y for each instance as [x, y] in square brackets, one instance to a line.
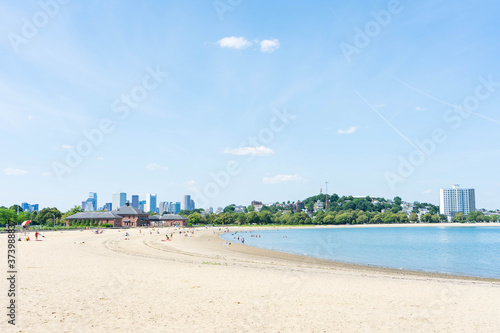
[300, 218]
[319, 217]
[16, 208]
[396, 208]
[286, 217]
[310, 207]
[426, 217]
[475, 216]
[402, 217]
[195, 218]
[362, 219]
[7, 215]
[344, 218]
[413, 217]
[251, 208]
[241, 218]
[459, 217]
[328, 219]
[74, 210]
[265, 217]
[494, 218]
[48, 214]
[398, 201]
[229, 209]
[252, 217]
[443, 218]
[389, 218]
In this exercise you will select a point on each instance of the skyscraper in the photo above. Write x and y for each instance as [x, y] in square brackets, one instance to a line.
[119, 200]
[456, 200]
[135, 201]
[187, 202]
[91, 202]
[150, 203]
[142, 205]
[163, 207]
[108, 207]
[191, 204]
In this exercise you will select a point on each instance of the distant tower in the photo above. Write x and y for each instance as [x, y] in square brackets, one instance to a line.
[326, 198]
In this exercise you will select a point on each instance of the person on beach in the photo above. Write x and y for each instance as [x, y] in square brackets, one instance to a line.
[36, 235]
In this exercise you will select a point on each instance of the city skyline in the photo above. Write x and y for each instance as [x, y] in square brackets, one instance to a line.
[379, 99]
[447, 207]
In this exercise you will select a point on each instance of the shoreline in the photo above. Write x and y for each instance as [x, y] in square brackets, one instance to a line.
[328, 263]
[375, 225]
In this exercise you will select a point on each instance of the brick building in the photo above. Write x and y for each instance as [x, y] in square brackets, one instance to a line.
[126, 216]
[168, 220]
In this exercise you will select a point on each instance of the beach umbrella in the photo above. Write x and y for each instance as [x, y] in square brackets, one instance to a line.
[25, 223]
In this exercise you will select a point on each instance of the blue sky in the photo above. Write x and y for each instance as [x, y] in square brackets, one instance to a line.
[378, 98]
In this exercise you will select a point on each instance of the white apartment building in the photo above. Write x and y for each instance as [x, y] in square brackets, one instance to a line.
[456, 200]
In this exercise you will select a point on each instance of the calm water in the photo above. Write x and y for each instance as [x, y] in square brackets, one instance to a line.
[473, 251]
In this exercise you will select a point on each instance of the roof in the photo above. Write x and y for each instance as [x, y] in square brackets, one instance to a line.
[93, 215]
[128, 210]
[167, 217]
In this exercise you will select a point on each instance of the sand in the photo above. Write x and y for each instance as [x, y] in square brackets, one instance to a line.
[197, 284]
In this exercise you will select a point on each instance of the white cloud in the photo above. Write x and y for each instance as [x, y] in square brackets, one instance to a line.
[156, 166]
[100, 158]
[269, 45]
[234, 42]
[46, 174]
[67, 147]
[30, 117]
[420, 108]
[350, 130]
[243, 151]
[14, 172]
[281, 179]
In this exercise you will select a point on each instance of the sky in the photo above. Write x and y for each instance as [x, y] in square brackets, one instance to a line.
[235, 100]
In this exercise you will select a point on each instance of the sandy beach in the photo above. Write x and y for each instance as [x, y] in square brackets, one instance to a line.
[79, 281]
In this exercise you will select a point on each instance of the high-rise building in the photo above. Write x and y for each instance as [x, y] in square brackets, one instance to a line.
[108, 207]
[177, 207]
[163, 207]
[83, 205]
[191, 205]
[119, 200]
[150, 203]
[187, 202]
[456, 200]
[142, 205]
[26, 207]
[135, 201]
[91, 202]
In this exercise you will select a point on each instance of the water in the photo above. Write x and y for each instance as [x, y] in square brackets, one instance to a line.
[468, 250]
